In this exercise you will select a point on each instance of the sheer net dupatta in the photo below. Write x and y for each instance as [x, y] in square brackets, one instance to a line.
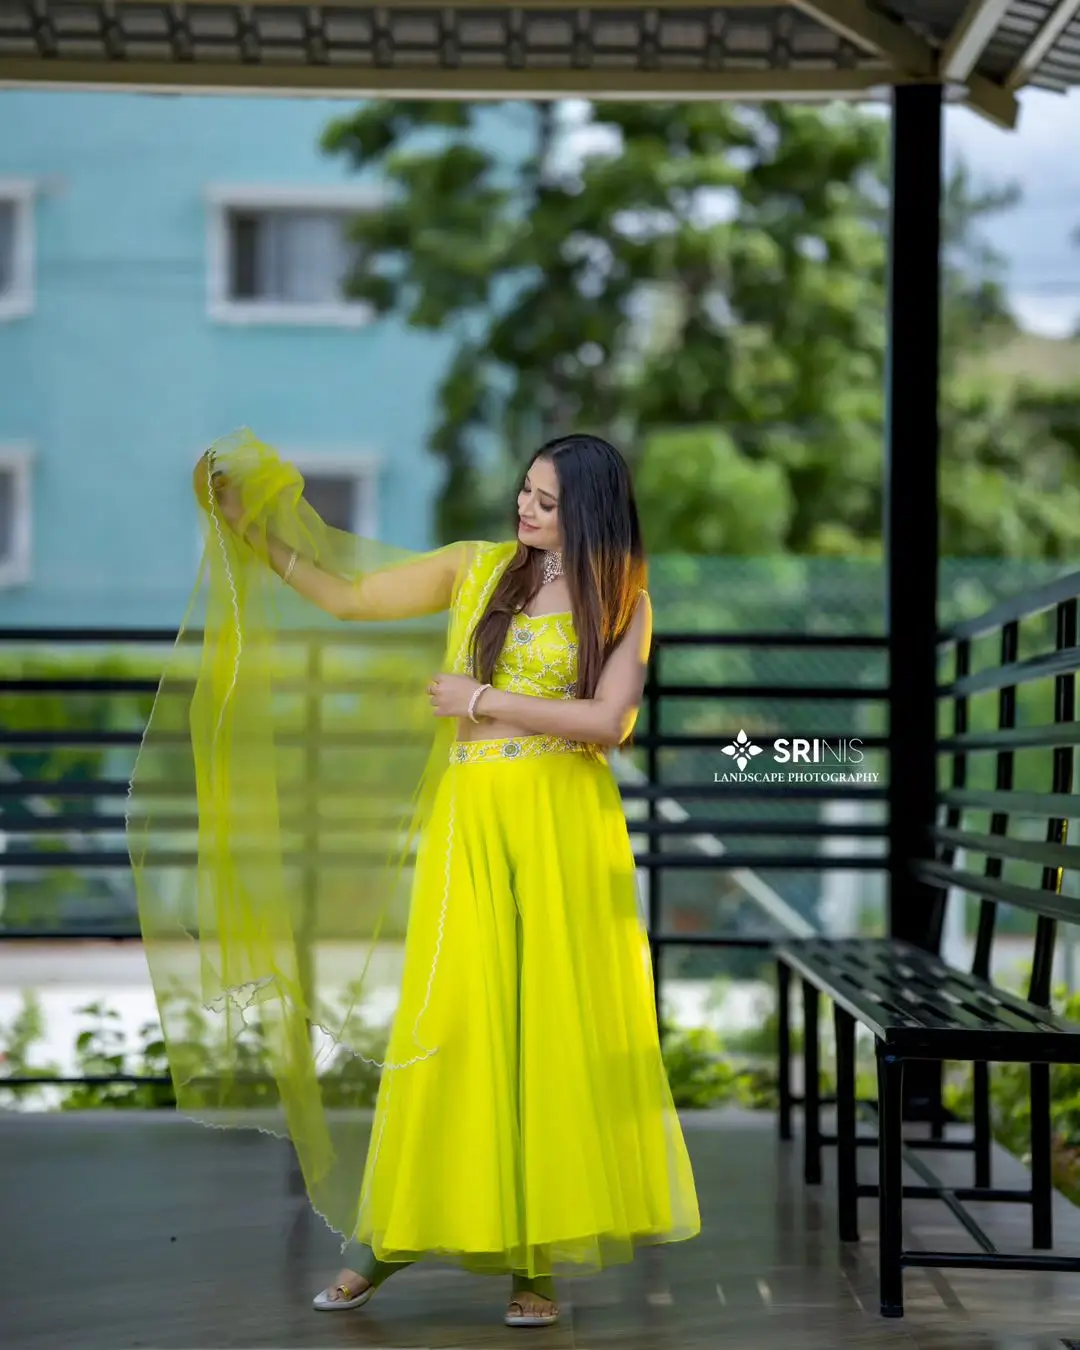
[284, 775]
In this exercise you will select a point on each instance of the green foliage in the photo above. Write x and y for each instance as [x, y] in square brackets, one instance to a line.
[39, 901]
[209, 1054]
[1009, 484]
[60, 896]
[763, 1041]
[750, 502]
[706, 283]
[18, 1039]
[697, 1072]
[700, 1073]
[101, 1051]
[1010, 1107]
[71, 711]
[701, 1076]
[703, 1073]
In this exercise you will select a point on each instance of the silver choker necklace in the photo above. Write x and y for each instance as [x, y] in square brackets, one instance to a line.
[552, 567]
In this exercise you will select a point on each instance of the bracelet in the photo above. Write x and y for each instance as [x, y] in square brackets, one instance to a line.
[289, 570]
[472, 702]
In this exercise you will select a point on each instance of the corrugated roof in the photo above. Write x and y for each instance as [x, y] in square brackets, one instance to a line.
[748, 49]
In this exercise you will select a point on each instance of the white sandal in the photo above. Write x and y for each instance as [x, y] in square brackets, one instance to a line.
[532, 1319]
[344, 1300]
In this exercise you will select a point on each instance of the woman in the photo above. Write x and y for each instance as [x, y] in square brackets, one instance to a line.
[524, 1123]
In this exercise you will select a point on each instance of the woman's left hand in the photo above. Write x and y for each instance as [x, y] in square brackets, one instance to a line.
[450, 694]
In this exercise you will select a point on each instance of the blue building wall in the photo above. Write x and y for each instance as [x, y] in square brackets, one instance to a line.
[119, 377]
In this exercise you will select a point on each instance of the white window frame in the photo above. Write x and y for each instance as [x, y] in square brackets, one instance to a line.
[17, 459]
[18, 303]
[222, 308]
[358, 463]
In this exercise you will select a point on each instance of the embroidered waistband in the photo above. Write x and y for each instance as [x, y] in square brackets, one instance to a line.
[515, 747]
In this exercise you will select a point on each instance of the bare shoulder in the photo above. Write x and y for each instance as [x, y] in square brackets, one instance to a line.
[641, 623]
[637, 637]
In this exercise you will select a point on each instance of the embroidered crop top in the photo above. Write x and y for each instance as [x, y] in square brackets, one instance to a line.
[539, 657]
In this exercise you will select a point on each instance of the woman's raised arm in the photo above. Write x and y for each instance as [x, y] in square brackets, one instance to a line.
[408, 589]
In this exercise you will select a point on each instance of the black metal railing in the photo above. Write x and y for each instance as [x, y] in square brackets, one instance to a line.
[687, 815]
[1027, 675]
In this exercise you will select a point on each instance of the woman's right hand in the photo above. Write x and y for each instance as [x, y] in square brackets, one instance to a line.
[226, 498]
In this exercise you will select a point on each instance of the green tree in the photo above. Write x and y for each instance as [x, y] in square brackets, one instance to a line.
[706, 283]
[976, 309]
[682, 275]
[1010, 476]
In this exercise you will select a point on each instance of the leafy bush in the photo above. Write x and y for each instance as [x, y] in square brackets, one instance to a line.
[103, 1051]
[1010, 1107]
[17, 1041]
[703, 1071]
[702, 1076]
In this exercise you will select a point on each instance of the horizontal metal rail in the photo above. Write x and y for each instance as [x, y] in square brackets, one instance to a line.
[1001, 846]
[1064, 661]
[766, 862]
[1046, 902]
[1024, 605]
[60, 789]
[296, 817]
[69, 816]
[100, 684]
[131, 933]
[345, 634]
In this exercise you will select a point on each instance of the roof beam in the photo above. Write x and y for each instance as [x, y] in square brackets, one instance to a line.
[866, 28]
[996, 103]
[562, 6]
[969, 38]
[910, 57]
[354, 82]
[1043, 41]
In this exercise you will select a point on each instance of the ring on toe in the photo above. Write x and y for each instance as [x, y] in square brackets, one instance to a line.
[340, 1298]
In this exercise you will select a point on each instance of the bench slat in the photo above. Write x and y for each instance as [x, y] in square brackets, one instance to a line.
[918, 1006]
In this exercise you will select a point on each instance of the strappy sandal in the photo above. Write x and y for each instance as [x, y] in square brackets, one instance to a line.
[521, 1318]
[345, 1299]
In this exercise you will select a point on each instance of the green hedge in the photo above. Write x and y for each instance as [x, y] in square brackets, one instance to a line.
[703, 1070]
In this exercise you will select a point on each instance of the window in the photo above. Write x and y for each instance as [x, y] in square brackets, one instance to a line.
[288, 257]
[16, 249]
[14, 515]
[343, 491]
[278, 257]
[343, 488]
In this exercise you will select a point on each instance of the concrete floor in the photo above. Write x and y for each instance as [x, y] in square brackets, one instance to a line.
[130, 1230]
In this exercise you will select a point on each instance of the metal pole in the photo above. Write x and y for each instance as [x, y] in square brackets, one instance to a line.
[652, 872]
[911, 521]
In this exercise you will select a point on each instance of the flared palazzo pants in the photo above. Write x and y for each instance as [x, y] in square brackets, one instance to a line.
[540, 1136]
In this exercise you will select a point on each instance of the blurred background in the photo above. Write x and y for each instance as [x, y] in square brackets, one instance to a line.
[406, 298]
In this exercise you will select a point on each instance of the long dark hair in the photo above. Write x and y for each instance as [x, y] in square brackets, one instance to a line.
[603, 559]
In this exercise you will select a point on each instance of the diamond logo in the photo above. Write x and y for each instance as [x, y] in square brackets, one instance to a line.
[742, 750]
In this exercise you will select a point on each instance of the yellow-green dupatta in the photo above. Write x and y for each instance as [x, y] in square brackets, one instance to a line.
[286, 768]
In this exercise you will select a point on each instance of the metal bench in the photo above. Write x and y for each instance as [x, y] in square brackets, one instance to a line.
[920, 1009]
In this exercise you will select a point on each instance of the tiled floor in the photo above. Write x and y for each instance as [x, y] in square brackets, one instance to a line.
[133, 1231]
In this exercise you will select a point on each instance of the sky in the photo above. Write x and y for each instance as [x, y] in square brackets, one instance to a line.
[1042, 156]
